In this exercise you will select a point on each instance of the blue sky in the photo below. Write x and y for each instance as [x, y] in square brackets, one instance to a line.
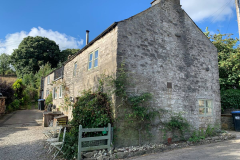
[66, 22]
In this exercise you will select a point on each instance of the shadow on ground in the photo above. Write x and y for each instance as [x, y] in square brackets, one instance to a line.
[26, 151]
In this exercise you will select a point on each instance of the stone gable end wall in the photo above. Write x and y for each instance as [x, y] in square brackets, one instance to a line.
[160, 45]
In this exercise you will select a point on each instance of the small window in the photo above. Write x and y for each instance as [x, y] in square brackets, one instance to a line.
[60, 92]
[205, 107]
[48, 79]
[75, 69]
[96, 58]
[55, 93]
[169, 85]
[90, 61]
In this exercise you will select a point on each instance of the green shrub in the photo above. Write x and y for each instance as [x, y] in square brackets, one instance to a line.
[230, 99]
[15, 105]
[92, 110]
[19, 88]
[198, 135]
[49, 99]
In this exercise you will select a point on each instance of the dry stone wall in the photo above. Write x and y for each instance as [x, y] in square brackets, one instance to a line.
[161, 45]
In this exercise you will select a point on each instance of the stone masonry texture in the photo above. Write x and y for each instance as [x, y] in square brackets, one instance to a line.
[159, 45]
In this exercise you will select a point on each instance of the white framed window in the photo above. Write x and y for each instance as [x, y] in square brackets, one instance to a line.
[96, 58]
[93, 60]
[55, 93]
[75, 69]
[205, 107]
[48, 79]
[90, 61]
[60, 92]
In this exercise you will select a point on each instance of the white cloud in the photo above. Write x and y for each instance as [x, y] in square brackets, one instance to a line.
[215, 10]
[13, 40]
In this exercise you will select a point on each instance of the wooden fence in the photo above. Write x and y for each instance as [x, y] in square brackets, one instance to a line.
[108, 137]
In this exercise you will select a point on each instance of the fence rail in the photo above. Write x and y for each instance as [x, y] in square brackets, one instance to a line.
[91, 148]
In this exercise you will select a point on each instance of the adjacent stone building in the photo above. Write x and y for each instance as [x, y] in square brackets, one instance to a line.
[165, 54]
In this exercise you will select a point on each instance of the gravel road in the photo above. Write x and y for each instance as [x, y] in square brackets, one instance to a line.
[21, 136]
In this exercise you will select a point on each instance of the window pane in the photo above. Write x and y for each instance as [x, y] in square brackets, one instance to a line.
[95, 62]
[201, 111]
[209, 104]
[201, 103]
[90, 65]
[90, 57]
[60, 91]
[209, 111]
[96, 54]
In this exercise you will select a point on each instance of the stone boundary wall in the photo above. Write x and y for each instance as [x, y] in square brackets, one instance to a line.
[2, 105]
[127, 152]
[227, 122]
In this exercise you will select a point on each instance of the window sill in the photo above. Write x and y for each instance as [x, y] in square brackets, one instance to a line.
[205, 115]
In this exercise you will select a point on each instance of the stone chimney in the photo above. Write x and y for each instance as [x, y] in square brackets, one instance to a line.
[87, 37]
[176, 2]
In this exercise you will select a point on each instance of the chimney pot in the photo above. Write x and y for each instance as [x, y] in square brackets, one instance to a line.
[87, 37]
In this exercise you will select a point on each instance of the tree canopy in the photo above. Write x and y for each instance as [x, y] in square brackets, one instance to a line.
[4, 64]
[228, 59]
[34, 52]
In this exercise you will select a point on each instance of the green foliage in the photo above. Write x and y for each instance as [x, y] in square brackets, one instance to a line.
[178, 122]
[120, 82]
[29, 80]
[197, 135]
[34, 52]
[201, 134]
[136, 109]
[49, 99]
[18, 87]
[68, 52]
[140, 107]
[7, 91]
[230, 99]
[92, 110]
[4, 63]
[15, 105]
[228, 59]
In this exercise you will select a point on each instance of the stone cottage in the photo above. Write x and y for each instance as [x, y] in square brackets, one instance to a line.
[165, 52]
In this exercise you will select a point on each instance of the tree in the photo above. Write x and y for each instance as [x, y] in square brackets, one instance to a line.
[228, 59]
[67, 52]
[34, 52]
[4, 63]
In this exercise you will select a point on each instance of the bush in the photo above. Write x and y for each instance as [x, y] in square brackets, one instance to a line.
[92, 110]
[49, 99]
[7, 91]
[19, 88]
[15, 105]
[230, 99]
[31, 94]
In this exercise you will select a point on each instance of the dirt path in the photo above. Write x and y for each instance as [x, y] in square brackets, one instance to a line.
[21, 136]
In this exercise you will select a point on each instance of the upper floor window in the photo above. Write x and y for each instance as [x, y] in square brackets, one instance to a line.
[96, 58]
[205, 107]
[93, 60]
[60, 92]
[55, 93]
[75, 69]
[48, 79]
